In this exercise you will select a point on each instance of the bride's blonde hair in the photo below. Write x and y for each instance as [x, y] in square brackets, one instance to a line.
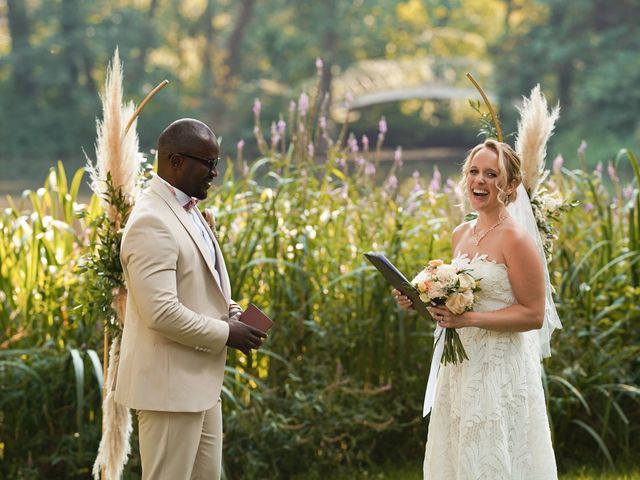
[509, 167]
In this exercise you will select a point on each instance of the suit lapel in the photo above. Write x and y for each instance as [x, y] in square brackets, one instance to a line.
[186, 220]
[220, 265]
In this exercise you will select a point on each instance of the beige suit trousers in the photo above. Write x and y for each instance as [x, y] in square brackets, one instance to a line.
[181, 445]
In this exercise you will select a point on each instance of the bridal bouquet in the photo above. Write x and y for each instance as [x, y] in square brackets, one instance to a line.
[444, 284]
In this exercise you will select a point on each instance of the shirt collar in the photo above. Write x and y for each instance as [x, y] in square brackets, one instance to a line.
[182, 198]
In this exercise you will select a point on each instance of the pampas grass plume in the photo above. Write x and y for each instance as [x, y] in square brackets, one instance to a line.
[534, 129]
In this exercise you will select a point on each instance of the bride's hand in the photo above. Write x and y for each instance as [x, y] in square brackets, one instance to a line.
[446, 319]
[404, 302]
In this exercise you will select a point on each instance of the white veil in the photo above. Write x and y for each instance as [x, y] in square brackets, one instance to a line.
[522, 212]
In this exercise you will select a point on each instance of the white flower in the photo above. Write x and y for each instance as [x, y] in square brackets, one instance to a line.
[436, 290]
[447, 274]
[466, 281]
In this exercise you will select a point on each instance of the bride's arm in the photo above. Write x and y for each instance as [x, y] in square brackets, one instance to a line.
[526, 276]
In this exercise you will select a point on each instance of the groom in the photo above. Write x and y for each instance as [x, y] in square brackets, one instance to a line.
[180, 316]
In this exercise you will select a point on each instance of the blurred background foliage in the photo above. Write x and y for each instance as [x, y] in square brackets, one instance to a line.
[339, 384]
[402, 59]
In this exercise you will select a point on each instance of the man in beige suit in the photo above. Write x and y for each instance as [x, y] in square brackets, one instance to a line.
[180, 316]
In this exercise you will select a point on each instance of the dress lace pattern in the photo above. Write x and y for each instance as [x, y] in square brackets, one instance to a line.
[489, 420]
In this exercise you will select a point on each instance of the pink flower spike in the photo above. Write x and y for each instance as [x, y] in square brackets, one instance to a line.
[282, 126]
[365, 142]
[397, 156]
[598, 171]
[257, 106]
[240, 145]
[292, 106]
[582, 148]
[611, 170]
[558, 162]
[435, 180]
[319, 65]
[303, 104]
[323, 122]
[369, 169]
[382, 126]
[627, 192]
[353, 143]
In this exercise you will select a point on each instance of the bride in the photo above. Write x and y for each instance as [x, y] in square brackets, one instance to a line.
[489, 418]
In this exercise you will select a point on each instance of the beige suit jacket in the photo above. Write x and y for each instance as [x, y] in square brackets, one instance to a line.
[173, 347]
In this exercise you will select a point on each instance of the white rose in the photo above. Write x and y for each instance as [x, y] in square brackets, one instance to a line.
[459, 302]
[447, 274]
[466, 281]
[436, 290]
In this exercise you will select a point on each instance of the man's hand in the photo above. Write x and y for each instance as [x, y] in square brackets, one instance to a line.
[244, 337]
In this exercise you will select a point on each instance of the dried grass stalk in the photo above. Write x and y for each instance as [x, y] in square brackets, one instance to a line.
[114, 446]
[117, 151]
[534, 129]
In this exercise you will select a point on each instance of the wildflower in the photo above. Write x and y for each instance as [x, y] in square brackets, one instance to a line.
[365, 143]
[322, 121]
[353, 143]
[282, 127]
[598, 171]
[311, 149]
[397, 156]
[292, 106]
[557, 164]
[611, 170]
[303, 104]
[627, 192]
[435, 180]
[449, 186]
[319, 66]
[369, 169]
[382, 126]
[416, 180]
[391, 184]
[582, 148]
[240, 145]
[257, 106]
[588, 207]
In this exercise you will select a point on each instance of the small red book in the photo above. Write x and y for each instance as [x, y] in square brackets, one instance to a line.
[256, 318]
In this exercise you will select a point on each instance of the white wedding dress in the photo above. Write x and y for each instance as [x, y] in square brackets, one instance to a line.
[489, 419]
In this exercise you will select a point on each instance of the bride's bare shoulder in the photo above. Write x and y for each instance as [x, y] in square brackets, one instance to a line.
[462, 228]
[515, 238]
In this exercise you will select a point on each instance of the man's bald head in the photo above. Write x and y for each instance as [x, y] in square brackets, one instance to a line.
[181, 135]
[187, 156]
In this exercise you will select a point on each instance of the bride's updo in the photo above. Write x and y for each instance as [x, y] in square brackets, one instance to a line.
[509, 166]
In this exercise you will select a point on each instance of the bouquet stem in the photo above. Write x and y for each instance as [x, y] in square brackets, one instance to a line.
[453, 351]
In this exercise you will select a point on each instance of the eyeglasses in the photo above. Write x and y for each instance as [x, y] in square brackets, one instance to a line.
[210, 163]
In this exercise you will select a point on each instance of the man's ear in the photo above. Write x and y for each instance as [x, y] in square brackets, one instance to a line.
[176, 161]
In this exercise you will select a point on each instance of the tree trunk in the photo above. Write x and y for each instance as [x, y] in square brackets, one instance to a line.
[147, 42]
[208, 80]
[20, 31]
[235, 39]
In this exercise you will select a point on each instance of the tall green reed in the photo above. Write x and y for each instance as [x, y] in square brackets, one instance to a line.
[340, 379]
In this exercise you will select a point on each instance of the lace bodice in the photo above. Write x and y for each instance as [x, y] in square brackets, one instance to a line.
[495, 289]
[489, 418]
